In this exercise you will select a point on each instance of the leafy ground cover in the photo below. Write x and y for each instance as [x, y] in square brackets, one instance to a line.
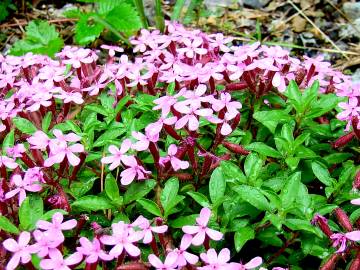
[191, 152]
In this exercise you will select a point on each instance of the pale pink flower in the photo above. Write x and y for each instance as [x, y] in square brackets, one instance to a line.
[216, 261]
[39, 140]
[169, 264]
[147, 230]
[219, 41]
[45, 242]
[98, 85]
[75, 58]
[355, 201]
[192, 47]
[340, 239]
[20, 249]
[232, 107]
[59, 149]
[56, 226]
[68, 97]
[255, 262]
[22, 185]
[122, 239]
[191, 116]
[112, 49]
[350, 109]
[92, 250]
[8, 162]
[117, 154]
[57, 262]
[154, 129]
[16, 151]
[176, 163]
[201, 230]
[144, 140]
[134, 170]
[185, 257]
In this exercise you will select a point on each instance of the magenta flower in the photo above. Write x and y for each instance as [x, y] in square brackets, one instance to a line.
[92, 250]
[45, 242]
[135, 170]
[147, 230]
[190, 117]
[8, 162]
[117, 154]
[122, 239]
[16, 151]
[56, 226]
[340, 239]
[201, 230]
[216, 261]
[176, 163]
[57, 262]
[232, 107]
[20, 249]
[22, 185]
[169, 264]
[185, 257]
[255, 262]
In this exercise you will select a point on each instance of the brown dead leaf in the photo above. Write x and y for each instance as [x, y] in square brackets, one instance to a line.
[298, 24]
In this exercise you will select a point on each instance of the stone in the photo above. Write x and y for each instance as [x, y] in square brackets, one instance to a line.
[254, 3]
[352, 10]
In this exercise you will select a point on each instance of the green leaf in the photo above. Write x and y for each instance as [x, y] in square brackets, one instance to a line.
[8, 141]
[138, 190]
[303, 225]
[217, 185]
[108, 136]
[294, 95]
[48, 215]
[40, 38]
[92, 203]
[199, 198]
[310, 94]
[253, 196]
[263, 149]
[271, 119]
[289, 192]
[322, 173]
[242, 236]
[337, 158]
[46, 122]
[150, 206]
[31, 210]
[182, 221]
[231, 172]
[111, 188]
[252, 167]
[24, 125]
[105, 6]
[124, 18]
[168, 194]
[7, 226]
[87, 29]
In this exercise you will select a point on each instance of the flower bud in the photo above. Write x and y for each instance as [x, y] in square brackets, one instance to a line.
[331, 263]
[237, 149]
[343, 140]
[343, 219]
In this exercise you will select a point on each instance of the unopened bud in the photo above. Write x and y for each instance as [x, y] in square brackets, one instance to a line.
[343, 219]
[343, 140]
[331, 263]
[238, 149]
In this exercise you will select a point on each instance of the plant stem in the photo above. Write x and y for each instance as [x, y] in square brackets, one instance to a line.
[159, 16]
[140, 8]
[112, 29]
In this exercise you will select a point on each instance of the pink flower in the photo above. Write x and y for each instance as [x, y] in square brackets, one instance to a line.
[122, 239]
[21, 249]
[16, 151]
[22, 185]
[112, 49]
[201, 230]
[147, 230]
[232, 107]
[57, 262]
[215, 261]
[92, 250]
[154, 129]
[169, 264]
[117, 154]
[134, 170]
[350, 110]
[56, 226]
[39, 140]
[59, 149]
[45, 242]
[355, 201]
[219, 41]
[96, 86]
[75, 58]
[185, 257]
[8, 162]
[144, 140]
[176, 163]
[340, 239]
[191, 116]
[255, 262]
[68, 97]
[192, 47]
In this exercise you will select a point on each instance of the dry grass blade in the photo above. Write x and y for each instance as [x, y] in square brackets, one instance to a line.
[317, 28]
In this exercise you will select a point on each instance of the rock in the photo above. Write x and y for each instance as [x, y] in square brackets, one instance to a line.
[254, 3]
[215, 4]
[352, 10]
[356, 76]
[351, 30]
[299, 24]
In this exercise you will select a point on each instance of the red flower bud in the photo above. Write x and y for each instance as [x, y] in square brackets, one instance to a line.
[355, 265]
[238, 149]
[343, 140]
[331, 263]
[343, 219]
[356, 183]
